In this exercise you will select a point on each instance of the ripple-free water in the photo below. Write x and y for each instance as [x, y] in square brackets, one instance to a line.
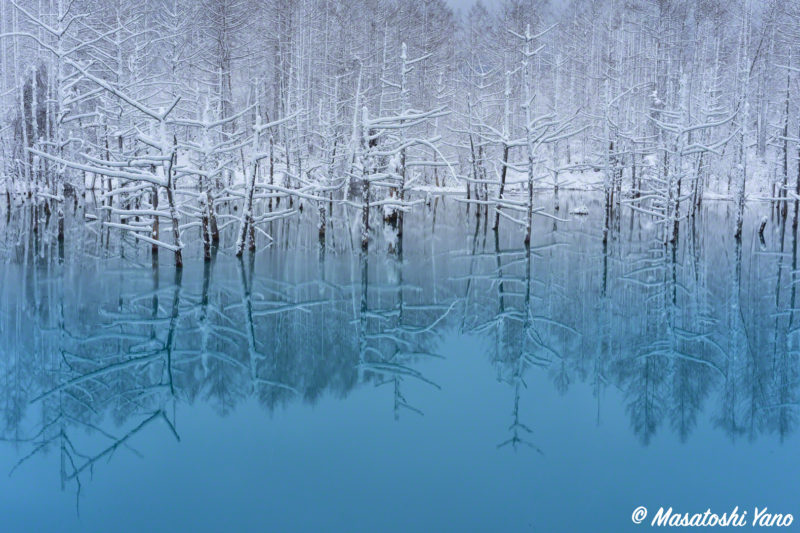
[461, 385]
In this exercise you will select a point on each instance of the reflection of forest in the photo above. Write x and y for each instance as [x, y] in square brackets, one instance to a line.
[704, 324]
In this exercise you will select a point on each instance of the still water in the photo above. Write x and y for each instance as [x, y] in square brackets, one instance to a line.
[461, 384]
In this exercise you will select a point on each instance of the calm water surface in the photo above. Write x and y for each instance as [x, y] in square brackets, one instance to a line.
[460, 384]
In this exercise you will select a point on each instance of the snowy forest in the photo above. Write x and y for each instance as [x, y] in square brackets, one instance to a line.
[178, 119]
[382, 245]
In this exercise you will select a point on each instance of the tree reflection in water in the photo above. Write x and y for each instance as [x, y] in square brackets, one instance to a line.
[97, 344]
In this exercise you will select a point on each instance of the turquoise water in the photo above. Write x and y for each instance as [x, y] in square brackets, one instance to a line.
[461, 384]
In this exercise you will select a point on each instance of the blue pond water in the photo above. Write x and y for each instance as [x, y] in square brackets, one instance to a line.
[460, 384]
